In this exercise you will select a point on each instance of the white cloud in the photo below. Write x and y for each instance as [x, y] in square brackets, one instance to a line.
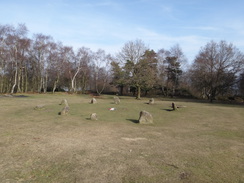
[204, 28]
[190, 44]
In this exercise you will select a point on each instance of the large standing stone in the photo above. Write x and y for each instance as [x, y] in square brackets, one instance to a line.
[93, 101]
[145, 118]
[64, 111]
[93, 116]
[116, 100]
[151, 101]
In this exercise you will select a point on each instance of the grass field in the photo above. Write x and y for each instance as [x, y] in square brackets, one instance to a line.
[199, 143]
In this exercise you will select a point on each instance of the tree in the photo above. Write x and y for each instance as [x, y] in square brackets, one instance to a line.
[132, 51]
[143, 73]
[170, 71]
[66, 65]
[5, 32]
[85, 73]
[149, 66]
[40, 61]
[173, 72]
[17, 45]
[130, 56]
[101, 63]
[22, 82]
[162, 54]
[241, 84]
[118, 76]
[82, 58]
[55, 65]
[215, 68]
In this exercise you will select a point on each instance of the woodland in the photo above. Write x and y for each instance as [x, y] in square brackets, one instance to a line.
[40, 64]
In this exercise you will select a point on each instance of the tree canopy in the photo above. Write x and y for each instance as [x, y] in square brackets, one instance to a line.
[40, 64]
[215, 68]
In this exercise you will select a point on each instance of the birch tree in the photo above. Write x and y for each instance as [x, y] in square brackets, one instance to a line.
[5, 32]
[39, 54]
[83, 57]
[15, 43]
[101, 67]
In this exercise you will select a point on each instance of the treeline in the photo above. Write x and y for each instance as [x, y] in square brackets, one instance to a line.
[39, 64]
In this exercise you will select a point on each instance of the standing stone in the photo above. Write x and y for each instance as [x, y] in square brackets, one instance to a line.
[93, 116]
[64, 101]
[116, 100]
[151, 101]
[145, 118]
[174, 107]
[64, 111]
[93, 101]
[40, 107]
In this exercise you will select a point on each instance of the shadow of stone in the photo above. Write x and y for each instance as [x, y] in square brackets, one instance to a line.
[16, 96]
[133, 120]
[20, 96]
[169, 110]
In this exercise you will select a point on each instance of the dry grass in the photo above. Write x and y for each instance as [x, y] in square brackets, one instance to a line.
[200, 143]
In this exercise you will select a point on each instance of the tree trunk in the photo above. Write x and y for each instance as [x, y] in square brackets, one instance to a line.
[22, 80]
[55, 84]
[40, 85]
[34, 84]
[73, 87]
[121, 89]
[16, 72]
[103, 87]
[1, 85]
[138, 97]
[212, 96]
[73, 84]
[146, 92]
[104, 82]
[45, 83]
[26, 80]
[84, 84]
[15, 79]
[163, 91]
[19, 81]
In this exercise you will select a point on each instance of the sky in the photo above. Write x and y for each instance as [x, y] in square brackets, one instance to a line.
[109, 24]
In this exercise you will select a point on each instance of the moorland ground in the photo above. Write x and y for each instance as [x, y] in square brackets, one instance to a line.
[201, 142]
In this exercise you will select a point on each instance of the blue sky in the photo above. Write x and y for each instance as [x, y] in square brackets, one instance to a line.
[109, 24]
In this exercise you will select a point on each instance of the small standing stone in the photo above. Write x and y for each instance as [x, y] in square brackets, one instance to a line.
[151, 101]
[93, 101]
[174, 107]
[39, 107]
[145, 118]
[116, 100]
[93, 116]
[64, 111]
